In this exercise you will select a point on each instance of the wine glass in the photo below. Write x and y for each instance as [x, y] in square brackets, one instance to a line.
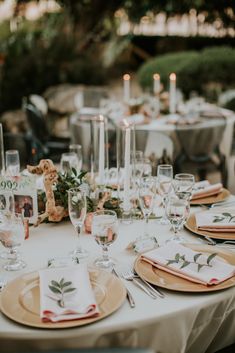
[77, 205]
[164, 176]
[183, 185]
[77, 149]
[176, 210]
[12, 235]
[147, 167]
[12, 162]
[105, 229]
[68, 161]
[147, 193]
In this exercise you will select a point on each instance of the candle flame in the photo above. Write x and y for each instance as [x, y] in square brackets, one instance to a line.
[126, 77]
[156, 76]
[173, 76]
[125, 123]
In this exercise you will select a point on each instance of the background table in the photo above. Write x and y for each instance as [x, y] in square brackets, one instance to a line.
[181, 322]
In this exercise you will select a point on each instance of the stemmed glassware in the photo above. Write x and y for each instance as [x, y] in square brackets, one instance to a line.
[137, 159]
[68, 161]
[77, 149]
[176, 210]
[183, 185]
[12, 162]
[104, 230]
[147, 193]
[164, 177]
[77, 205]
[12, 235]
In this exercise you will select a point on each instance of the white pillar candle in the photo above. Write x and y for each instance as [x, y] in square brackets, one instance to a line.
[101, 151]
[172, 94]
[126, 87]
[156, 92]
[126, 200]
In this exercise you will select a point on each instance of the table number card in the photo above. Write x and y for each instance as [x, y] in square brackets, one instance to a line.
[19, 192]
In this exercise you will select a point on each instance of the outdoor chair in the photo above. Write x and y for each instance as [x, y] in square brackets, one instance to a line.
[200, 146]
[45, 145]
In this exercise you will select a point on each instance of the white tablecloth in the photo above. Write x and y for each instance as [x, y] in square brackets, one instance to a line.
[180, 322]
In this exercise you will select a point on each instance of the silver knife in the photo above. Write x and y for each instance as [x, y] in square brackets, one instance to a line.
[128, 293]
[156, 291]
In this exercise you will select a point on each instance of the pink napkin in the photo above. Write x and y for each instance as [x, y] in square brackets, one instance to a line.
[217, 272]
[222, 220]
[66, 294]
[204, 189]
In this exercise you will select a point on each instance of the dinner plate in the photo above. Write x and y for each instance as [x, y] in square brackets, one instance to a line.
[169, 281]
[221, 196]
[191, 225]
[20, 300]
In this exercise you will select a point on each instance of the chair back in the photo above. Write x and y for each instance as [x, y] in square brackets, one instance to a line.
[36, 123]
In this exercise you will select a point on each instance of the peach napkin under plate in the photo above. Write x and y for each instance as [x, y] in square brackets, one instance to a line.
[204, 189]
[66, 294]
[221, 220]
[217, 273]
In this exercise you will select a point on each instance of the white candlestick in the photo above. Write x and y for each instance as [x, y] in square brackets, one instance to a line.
[126, 87]
[126, 200]
[101, 152]
[156, 92]
[172, 94]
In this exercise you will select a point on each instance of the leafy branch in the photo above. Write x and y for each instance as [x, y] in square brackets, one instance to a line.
[60, 289]
[181, 259]
[224, 216]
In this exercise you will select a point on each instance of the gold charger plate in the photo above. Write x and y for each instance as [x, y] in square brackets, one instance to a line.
[191, 225]
[20, 300]
[221, 196]
[169, 281]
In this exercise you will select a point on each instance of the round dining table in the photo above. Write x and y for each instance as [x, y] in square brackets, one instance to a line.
[180, 322]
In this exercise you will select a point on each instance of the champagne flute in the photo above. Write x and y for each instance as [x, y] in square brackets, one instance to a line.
[12, 235]
[164, 176]
[77, 205]
[137, 159]
[183, 185]
[105, 229]
[176, 210]
[147, 193]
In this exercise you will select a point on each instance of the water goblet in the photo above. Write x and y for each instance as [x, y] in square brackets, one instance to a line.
[12, 235]
[77, 149]
[104, 230]
[176, 211]
[12, 162]
[164, 176]
[77, 205]
[68, 161]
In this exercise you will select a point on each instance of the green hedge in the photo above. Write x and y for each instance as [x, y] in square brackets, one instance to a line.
[207, 72]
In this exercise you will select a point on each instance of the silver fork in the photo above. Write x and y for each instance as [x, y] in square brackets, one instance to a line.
[129, 277]
[225, 243]
[152, 288]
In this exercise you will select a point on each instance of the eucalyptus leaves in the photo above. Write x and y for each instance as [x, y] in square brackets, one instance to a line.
[61, 288]
[225, 216]
[181, 259]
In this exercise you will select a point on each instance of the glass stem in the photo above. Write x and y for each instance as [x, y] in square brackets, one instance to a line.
[146, 222]
[79, 232]
[105, 253]
[14, 255]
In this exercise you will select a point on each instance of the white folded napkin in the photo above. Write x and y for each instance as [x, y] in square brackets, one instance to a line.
[66, 294]
[221, 220]
[165, 257]
[205, 189]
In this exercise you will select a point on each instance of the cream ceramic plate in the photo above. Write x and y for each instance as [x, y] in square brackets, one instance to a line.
[221, 196]
[166, 280]
[191, 225]
[19, 300]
